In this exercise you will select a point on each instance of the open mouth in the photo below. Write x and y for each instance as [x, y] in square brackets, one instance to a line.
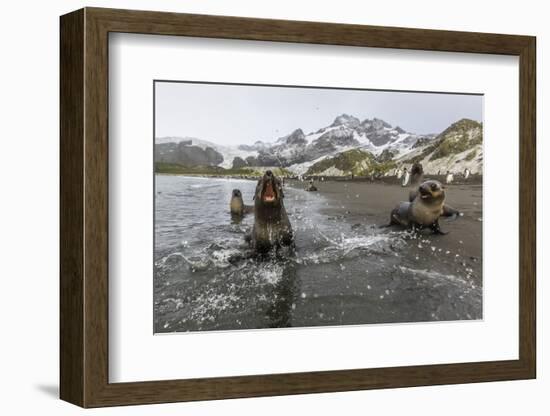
[269, 192]
[424, 193]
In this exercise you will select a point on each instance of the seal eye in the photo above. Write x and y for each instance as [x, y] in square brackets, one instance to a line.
[433, 186]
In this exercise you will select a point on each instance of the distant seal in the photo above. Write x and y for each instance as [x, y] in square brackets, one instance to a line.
[272, 227]
[424, 208]
[237, 206]
[449, 178]
[311, 187]
[417, 174]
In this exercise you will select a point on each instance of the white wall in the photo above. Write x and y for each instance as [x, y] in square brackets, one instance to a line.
[29, 205]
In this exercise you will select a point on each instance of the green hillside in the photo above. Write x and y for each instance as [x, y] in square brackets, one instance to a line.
[355, 161]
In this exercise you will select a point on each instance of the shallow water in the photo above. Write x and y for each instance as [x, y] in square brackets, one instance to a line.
[206, 277]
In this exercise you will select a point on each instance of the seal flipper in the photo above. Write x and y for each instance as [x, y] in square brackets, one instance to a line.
[437, 229]
[449, 212]
[400, 215]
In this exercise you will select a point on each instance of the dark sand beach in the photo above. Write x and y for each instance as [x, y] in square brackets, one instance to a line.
[364, 202]
[345, 269]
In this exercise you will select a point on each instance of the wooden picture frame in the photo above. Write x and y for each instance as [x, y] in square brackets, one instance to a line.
[84, 207]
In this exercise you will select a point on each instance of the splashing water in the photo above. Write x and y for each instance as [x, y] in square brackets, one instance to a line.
[206, 277]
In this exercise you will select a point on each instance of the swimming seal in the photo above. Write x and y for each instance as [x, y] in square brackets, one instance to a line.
[424, 208]
[237, 206]
[271, 224]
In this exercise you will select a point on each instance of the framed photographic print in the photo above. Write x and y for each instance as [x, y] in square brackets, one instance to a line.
[256, 207]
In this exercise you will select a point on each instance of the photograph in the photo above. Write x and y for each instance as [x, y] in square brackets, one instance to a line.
[279, 206]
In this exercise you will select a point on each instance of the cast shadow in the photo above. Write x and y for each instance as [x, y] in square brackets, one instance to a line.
[51, 390]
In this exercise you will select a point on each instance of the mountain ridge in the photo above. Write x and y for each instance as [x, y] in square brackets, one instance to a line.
[381, 145]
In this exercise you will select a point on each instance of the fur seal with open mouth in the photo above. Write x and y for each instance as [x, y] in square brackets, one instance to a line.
[271, 224]
[424, 208]
[237, 206]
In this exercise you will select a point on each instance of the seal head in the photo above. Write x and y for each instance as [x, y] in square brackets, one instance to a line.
[431, 192]
[269, 190]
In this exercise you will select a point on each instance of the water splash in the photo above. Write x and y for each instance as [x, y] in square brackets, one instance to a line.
[208, 278]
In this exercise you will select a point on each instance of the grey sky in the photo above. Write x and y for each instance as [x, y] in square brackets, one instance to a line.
[240, 114]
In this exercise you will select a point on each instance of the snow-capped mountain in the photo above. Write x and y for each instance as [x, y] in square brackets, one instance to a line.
[458, 147]
[384, 145]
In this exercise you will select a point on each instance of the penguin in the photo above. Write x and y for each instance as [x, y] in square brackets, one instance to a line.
[398, 173]
[406, 178]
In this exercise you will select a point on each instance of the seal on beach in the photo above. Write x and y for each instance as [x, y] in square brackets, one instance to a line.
[417, 173]
[311, 187]
[424, 208]
[237, 206]
[271, 224]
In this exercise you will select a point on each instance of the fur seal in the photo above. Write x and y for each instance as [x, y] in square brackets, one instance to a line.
[237, 206]
[311, 187]
[424, 208]
[417, 177]
[271, 224]
[417, 174]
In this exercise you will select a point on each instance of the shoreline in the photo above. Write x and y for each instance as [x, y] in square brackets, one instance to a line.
[387, 180]
[344, 270]
[369, 204]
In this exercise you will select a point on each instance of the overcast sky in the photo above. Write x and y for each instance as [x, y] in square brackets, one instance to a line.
[242, 114]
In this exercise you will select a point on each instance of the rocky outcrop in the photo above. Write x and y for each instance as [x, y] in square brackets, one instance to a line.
[186, 154]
